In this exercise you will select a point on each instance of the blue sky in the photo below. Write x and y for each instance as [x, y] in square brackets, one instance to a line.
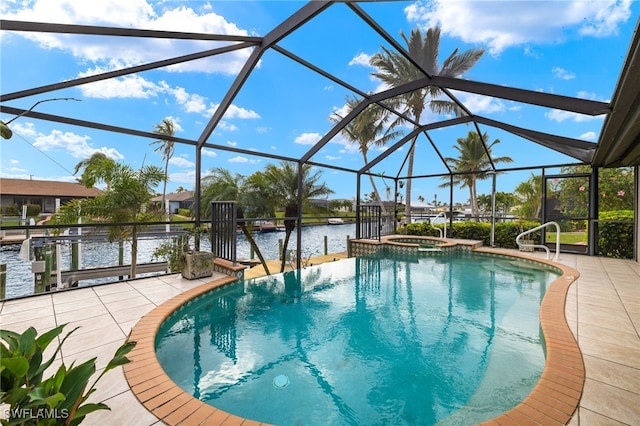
[572, 48]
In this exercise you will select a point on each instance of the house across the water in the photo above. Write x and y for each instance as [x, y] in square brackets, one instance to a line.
[45, 193]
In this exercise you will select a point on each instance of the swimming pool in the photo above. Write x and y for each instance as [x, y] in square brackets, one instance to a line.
[370, 340]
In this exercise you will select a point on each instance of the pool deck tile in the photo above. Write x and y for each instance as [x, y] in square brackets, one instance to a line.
[590, 319]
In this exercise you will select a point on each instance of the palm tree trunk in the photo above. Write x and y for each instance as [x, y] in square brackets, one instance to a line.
[375, 188]
[134, 251]
[407, 210]
[255, 247]
[289, 226]
[475, 211]
[164, 187]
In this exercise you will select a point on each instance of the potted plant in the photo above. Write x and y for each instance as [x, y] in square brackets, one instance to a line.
[197, 264]
[171, 252]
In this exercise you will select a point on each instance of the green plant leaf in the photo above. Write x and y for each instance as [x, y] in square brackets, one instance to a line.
[27, 341]
[75, 382]
[90, 408]
[119, 357]
[38, 399]
[14, 395]
[11, 338]
[17, 365]
[45, 339]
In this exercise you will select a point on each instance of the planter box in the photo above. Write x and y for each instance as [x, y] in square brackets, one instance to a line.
[197, 264]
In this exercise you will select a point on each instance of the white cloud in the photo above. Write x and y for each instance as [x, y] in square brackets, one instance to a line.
[239, 159]
[361, 59]
[134, 86]
[232, 143]
[504, 24]
[263, 129]
[131, 14]
[14, 161]
[560, 116]
[235, 112]
[308, 138]
[183, 177]
[223, 125]
[76, 145]
[583, 94]
[562, 74]
[478, 104]
[130, 86]
[16, 170]
[332, 158]
[588, 136]
[181, 162]
[341, 111]
[209, 153]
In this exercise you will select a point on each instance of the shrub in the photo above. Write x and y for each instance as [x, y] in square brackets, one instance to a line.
[33, 210]
[506, 233]
[472, 231]
[12, 210]
[57, 400]
[184, 212]
[423, 229]
[615, 234]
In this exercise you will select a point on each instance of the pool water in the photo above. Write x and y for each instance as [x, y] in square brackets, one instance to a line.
[449, 339]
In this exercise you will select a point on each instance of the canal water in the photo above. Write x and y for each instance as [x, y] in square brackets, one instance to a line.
[20, 281]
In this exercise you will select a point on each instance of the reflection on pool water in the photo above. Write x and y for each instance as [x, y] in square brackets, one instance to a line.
[450, 339]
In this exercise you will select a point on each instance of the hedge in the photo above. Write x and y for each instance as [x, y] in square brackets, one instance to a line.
[615, 234]
[505, 232]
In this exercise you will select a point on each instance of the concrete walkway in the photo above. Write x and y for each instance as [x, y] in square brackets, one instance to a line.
[603, 310]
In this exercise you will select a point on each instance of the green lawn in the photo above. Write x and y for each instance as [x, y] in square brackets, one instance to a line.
[568, 237]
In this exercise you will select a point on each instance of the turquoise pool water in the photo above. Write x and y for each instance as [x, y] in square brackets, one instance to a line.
[448, 339]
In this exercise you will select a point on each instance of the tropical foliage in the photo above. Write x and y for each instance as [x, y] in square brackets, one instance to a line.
[124, 201]
[473, 164]
[95, 170]
[283, 189]
[57, 400]
[530, 194]
[395, 69]
[369, 129]
[166, 147]
[222, 185]
[615, 189]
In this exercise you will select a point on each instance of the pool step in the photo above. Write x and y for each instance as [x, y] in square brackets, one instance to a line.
[430, 249]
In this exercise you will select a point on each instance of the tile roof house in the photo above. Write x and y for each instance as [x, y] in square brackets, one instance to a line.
[177, 200]
[44, 193]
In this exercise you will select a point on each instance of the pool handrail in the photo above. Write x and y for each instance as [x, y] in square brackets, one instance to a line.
[445, 224]
[542, 246]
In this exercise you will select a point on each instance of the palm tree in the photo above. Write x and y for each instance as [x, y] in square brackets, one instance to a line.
[222, 185]
[530, 194]
[394, 69]
[472, 164]
[369, 129]
[124, 201]
[165, 128]
[282, 183]
[95, 169]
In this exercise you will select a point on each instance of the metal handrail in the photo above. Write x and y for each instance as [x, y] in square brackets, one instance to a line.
[521, 245]
[445, 224]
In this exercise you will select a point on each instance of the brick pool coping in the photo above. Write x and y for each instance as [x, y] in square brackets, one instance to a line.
[552, 401]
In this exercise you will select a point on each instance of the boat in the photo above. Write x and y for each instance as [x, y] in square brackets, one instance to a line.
[335, 221]
[265, 226]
